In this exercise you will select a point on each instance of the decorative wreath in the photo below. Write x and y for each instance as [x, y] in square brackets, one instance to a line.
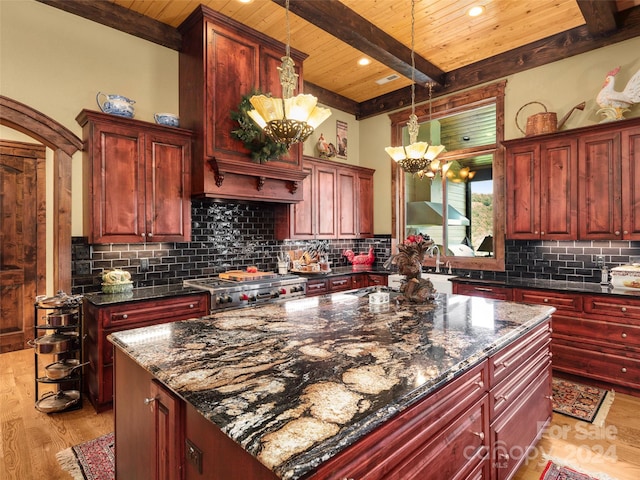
[262, 148]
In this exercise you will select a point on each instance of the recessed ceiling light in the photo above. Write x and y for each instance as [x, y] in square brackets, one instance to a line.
[475, 11]
[245, 1]
[364, 61]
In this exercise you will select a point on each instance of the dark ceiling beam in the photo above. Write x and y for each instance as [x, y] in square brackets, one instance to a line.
[122, 19]
[599, 15]
[332, 99]
[343, 23]
[557, 47]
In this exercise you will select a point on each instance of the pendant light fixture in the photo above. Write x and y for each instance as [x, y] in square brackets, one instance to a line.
[417, 156]
[288, 119]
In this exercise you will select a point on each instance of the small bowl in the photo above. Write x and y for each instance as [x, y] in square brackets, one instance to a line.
[168, 119]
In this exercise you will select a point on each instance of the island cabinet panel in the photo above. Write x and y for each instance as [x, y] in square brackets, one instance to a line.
[542, 190]
[446, 432]
[222, 61]
[149, 427]
[337, 203]
[138, 178]
[100, 321]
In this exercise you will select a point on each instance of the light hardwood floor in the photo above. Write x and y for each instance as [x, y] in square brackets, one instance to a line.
[30, 439]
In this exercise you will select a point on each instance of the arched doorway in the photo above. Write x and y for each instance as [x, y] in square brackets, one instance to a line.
[64, 144]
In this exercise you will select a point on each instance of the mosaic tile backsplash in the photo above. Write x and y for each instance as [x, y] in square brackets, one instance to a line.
[227, 236]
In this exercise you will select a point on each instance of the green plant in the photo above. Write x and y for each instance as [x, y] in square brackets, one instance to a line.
[262, 148]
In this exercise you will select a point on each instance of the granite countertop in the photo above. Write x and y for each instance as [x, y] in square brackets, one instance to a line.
[140, 294]
[560, 285]
[296, 382]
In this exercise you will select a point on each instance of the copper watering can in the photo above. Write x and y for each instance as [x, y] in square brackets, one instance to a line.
[545, 122]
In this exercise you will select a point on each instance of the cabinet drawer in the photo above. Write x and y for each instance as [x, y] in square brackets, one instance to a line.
[511, 436]
[486, 291]
[599, 332]
[317, 287]
[177, 308]
[510, 359]
[599, 365]
[375, 280]
[338, 284]
[561, 301]
[626, 308]
[503, 395]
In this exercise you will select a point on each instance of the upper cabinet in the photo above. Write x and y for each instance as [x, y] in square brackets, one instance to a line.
[542, 190]
[337, 203]
[581, 184]
[221, 61]
[138, 180]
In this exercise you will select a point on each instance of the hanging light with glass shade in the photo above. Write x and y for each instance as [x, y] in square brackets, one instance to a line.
[417, 156]
[288, 119]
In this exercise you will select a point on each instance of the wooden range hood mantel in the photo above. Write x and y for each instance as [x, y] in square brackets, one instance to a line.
[222, 60]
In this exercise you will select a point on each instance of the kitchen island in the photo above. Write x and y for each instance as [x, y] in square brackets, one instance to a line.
[333, 387]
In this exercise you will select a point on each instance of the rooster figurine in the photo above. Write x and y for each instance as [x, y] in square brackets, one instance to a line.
[614, 104]
[362, 261]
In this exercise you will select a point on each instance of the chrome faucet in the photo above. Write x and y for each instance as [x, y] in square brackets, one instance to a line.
[448, 265]
[438, 262]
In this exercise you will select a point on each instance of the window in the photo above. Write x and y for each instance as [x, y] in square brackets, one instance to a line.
[470, 229]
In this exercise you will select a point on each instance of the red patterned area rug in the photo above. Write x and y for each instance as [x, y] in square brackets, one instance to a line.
[584, 402]
[92, 460]
[553, 471]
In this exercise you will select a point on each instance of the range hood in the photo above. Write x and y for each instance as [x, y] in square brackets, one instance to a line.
[430, 213]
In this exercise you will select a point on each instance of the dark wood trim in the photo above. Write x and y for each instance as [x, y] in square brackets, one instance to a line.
[364, 36]
[600, 16]
[64, 144]
[122, 19]
[332, 99]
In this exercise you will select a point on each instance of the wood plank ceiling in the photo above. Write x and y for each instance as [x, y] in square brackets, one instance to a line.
[452, 49]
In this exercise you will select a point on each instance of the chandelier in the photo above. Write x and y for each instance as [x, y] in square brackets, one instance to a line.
[417, 156]
[288, 119]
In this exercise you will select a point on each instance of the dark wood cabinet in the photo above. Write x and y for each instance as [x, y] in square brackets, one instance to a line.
[542, 190]
[100, 321]
[580, 184]
[375, 280]
[149, 426]
[221, 61]
[337, 203]
[138, 180]
[482, 290]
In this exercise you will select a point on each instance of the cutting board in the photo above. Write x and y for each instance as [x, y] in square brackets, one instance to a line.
[242, 276]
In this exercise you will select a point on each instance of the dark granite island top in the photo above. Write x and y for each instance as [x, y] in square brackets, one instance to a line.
[295, 383]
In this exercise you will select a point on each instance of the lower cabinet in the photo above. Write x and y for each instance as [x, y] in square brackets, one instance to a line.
[149, 428]
[478, 426]
[483, 290]
[100, 321]
[333, 284]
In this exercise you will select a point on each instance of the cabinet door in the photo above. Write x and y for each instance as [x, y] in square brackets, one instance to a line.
[559, 190]
[116, 186]
[365, 205]
[523, 184]
[631, 184]
[325, 186]
[168, 419]
[600, 193]
[232, 68]
[347, 204]
[168, 188]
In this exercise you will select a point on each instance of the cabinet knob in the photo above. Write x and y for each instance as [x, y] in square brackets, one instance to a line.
[150, 400]
[479, 384]
[541, 233]
[504, 456]
[125, 316]
[144, 235]
[151, 234]
[504, 364]
[501, 398]
[191, 305]
[623, 370]
[546, 300]
[535, 232]
[617, 232]
[624, 335]
[626, 232]
[623, 309]
[480, 435]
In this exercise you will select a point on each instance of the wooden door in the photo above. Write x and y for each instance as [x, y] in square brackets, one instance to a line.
[168, 418]
[631, 184]
[22, 240]
[559, 190]
[523, 192]
[599, 196]
[168, 187]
